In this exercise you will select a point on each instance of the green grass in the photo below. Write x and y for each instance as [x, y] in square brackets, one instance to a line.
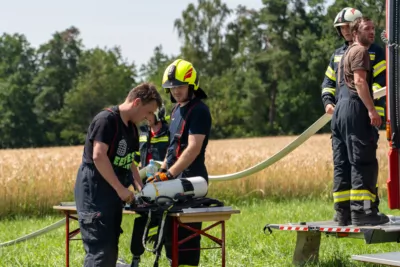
[247, 244]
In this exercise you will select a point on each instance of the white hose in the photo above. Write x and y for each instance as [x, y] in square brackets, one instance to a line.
[34, 234]
[278, 156]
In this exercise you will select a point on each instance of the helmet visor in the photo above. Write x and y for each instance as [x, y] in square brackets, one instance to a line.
[173, 83]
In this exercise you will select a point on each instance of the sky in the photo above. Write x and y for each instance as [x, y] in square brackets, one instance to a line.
[137, 27]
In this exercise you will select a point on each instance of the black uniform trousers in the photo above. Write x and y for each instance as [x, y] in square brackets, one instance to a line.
[354, 145]
[99, 215]
[189, 257]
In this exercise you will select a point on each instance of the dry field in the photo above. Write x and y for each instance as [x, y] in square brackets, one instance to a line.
[33, 180]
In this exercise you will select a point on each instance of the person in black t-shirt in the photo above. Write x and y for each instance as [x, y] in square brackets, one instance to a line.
[189, 128]
[103, 176]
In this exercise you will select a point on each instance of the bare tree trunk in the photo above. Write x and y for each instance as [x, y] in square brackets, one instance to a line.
[272, 107]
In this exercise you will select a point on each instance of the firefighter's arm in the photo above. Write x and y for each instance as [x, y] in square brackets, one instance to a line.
[102, 134]
[163, 167]
[199, 126]
[136, 177]
[329, 85]
[361, 85]
[104, 166]
[379, 69]
[379, 80]
[195, 143]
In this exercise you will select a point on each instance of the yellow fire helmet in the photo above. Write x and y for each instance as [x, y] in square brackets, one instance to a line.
[181, 72]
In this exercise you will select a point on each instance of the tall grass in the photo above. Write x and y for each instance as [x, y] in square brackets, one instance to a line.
[306, 172]
[33, 180]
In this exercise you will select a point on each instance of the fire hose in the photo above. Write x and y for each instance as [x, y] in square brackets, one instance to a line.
[47, 229]
[315, 127]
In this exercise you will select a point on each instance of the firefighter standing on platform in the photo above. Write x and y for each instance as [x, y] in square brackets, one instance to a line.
[189, 133]
[329, 92]
[354, 132]
[154, 138]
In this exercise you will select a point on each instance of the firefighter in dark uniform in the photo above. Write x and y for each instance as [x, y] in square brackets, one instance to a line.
[354, 132]
[101, 183]
[189, 133]
[154, 138]
[329, 92]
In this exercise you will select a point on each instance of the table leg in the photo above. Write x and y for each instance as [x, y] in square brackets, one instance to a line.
[67, 238]
[175, 245]
[223, 242]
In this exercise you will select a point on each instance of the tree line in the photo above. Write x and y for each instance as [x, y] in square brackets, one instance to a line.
[262, 69]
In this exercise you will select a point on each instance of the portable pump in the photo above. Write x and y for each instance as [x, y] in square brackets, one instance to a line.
[155, 201]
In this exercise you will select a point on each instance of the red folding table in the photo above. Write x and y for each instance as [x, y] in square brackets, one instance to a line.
[71, 214]
[218, 215]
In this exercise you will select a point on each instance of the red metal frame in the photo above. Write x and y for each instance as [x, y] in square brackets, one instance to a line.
[69, 235]
[176, 243]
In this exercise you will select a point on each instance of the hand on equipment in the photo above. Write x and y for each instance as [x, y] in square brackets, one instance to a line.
[126, 195]
[162, 170]
[329, 109]
[159, 176]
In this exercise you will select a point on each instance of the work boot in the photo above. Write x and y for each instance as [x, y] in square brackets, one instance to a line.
[135, 261]
[360, 219]
[342, 217]
[335, 219]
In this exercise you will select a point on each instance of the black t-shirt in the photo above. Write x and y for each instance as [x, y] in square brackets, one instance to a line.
[107, 127]
[198, 122]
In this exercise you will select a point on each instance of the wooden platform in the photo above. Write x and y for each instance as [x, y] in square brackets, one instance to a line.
[205, 214]
[71, 208]
[389, 258]
[309, 238]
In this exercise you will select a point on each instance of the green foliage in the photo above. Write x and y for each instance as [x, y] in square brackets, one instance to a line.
[104, 81]
[262, 70]
[58, 68]
[18, 122]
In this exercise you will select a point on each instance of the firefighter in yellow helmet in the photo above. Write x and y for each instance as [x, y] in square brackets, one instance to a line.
[189, 133]
[182, 74]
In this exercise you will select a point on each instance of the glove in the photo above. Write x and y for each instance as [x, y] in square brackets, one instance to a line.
[160, 176]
